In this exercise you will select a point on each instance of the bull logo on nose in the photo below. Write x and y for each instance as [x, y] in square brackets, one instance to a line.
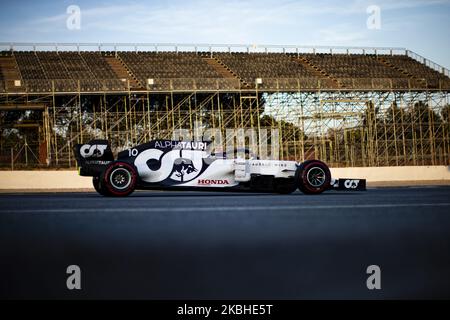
[182, 167]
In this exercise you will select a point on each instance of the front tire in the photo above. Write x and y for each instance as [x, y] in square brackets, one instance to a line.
[119, 179]
[313, 177]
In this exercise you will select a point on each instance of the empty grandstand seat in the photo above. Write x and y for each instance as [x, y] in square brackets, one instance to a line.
[65, 71]
[432, 79]
[268, 66]
[168, 65]
[45, 71]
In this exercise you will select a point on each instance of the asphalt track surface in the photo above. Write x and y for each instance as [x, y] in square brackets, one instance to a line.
[210, 245]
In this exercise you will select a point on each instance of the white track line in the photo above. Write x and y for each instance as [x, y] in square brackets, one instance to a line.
[227, 208]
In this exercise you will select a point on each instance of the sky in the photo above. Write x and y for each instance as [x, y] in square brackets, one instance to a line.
[418, 25]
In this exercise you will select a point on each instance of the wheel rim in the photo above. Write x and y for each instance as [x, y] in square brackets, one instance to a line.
[316, 177]
[120, 178]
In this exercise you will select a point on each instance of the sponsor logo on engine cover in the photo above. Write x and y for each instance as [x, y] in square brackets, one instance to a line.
[208, 182]
[187, 145]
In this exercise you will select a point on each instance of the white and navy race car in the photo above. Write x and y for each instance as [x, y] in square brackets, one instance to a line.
[167, 164]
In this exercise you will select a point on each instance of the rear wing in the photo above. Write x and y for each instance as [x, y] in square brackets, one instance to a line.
[93, 157]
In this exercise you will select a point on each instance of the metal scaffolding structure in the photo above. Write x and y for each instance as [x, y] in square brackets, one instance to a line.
[343, 128]
[399, 117]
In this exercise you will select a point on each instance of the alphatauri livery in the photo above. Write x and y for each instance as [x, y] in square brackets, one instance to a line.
[166, 164]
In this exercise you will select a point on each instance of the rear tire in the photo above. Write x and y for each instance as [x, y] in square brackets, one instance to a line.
[98, 186]
[119, 179]
[313, 177]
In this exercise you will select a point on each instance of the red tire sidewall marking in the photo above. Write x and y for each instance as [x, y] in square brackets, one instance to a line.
[116, 165]
[304, 177]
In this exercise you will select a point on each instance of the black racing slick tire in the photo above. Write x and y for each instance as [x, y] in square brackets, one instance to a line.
[313, 177]
[98, 186]
[119, 179]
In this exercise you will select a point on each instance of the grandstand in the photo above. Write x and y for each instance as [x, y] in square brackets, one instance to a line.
[347, 106]
[91, 71]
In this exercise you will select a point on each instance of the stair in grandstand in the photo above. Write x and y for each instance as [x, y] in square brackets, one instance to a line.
[317, 71]
[10, 74]
[402, 71]
[122, 71]
[224, 70]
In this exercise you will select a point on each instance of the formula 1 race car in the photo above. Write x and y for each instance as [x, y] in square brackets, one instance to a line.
[167, 164]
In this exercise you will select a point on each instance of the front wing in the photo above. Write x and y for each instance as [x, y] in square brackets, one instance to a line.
[347, 184]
